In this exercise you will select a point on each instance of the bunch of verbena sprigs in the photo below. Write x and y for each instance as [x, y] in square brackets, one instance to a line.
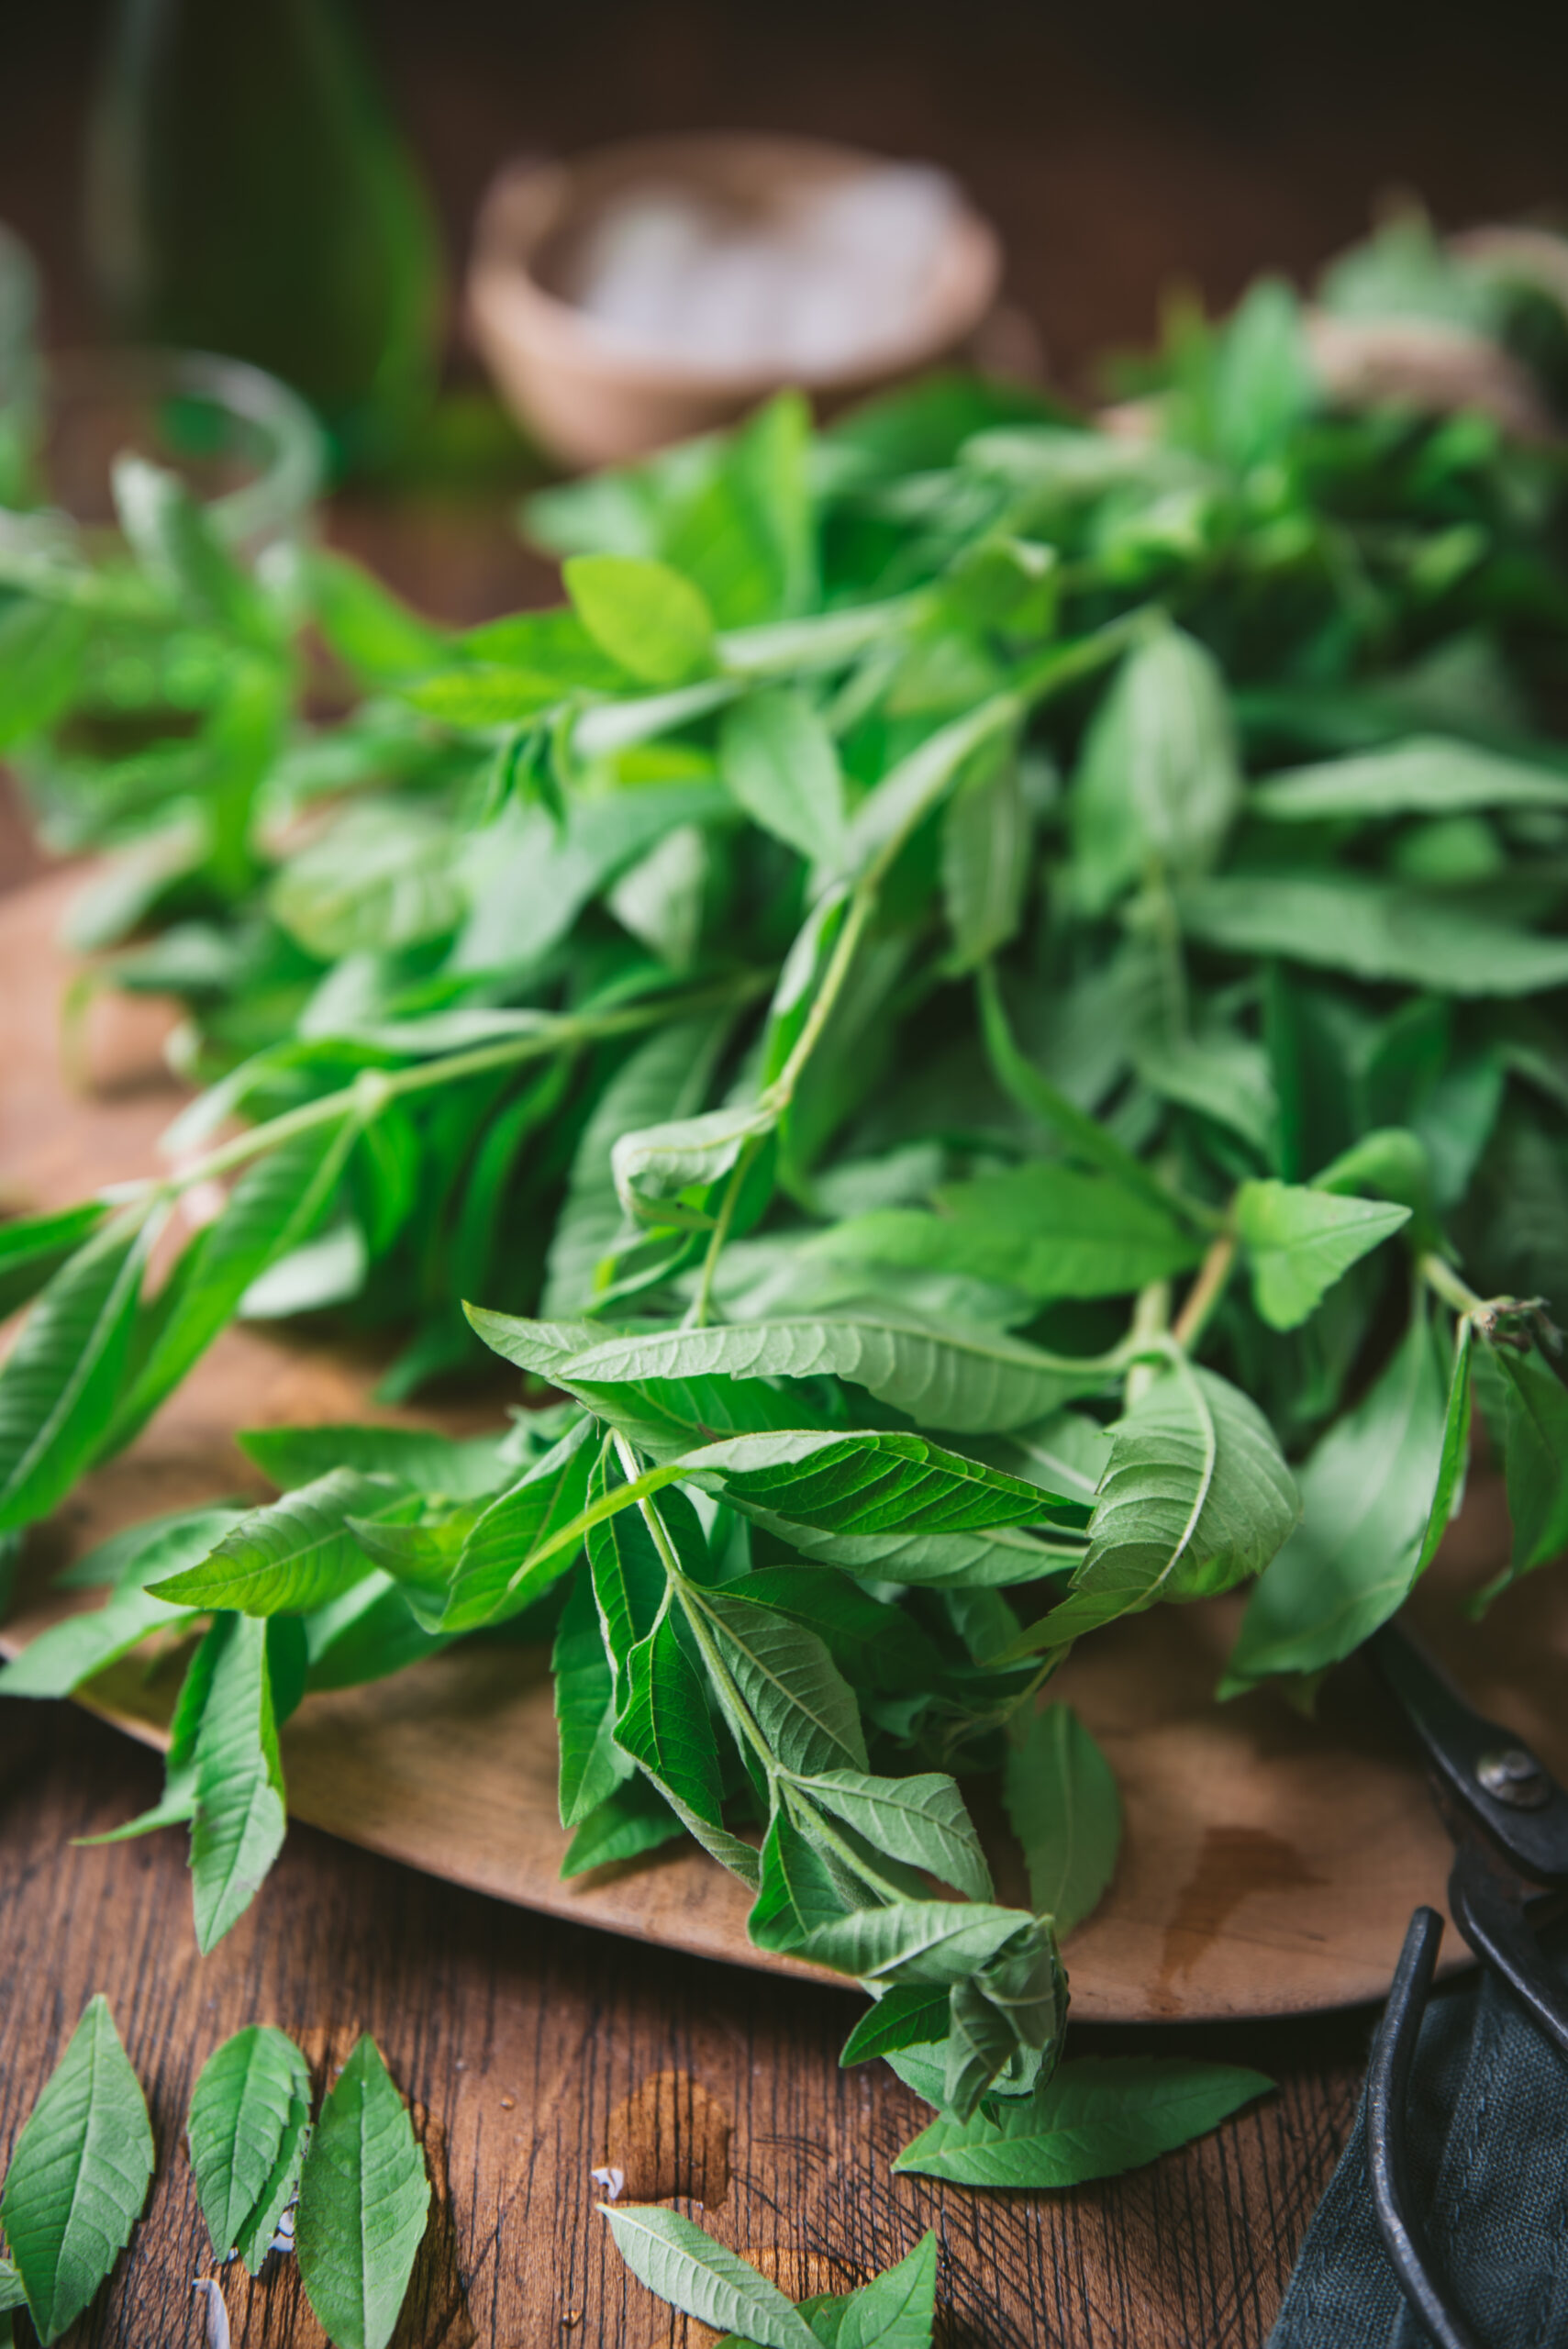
[984, 1004]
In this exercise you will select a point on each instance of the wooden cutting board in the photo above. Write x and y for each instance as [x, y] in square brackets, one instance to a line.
[1270, 1863]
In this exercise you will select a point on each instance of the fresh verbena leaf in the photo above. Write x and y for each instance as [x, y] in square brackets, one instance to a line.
[247, 2129]
[780, 761]
[1196, 1498]
[1299, 1242]
[1095, 2117]
[458, 1468]
[79, 2174]
[1367, 1495]
[704, 2279]
[644, 615]
[921, 1820]
[59, 1659]
[1429, 775]
[59, 1383]
[1158, 785]
[364, 2199]
[293, 1555]
[949, 1378]
[239, 1820]
[1063, 1802]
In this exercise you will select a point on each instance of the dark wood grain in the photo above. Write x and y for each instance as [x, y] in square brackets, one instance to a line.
[521, 2042]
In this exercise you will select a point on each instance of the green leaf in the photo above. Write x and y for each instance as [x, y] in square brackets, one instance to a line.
[41, 647]
[58, 1384]
[1429, 775]
[787, 1681]
[381, 877]
[1366, 1501]
[803, 1884]
[663, 1723]
[665, 1080]
[291, 1556]
[986, 839]
[489, 1580]
[379, 637]
[1196, 1498]
[173, 540]
[79, 2175]
[247, 2126]
[933, 1943]
[1042, 1228]
[1094, 2117]
[910, 2016]
[916, 785]
[645, 615]
[365, 2198]
[780, 761]
[704, 2279]
[237, 1830]
[874, 1646]
[68, 1653]
[592, 1765]
[1223, 1077]
[1063, 1802]
[1535, 1458]
[921, 1820]
[898, 2310]
[656, 1170]
[946, 1377]
[1299, 1241]
[458, 1467]
[35, 1246]
[12, 2296]
[869, 1481]
[275, 1204]
[1374, 930]
[1454, 1459]
[633, 1818]
[1047, 1105]
[1158, 784]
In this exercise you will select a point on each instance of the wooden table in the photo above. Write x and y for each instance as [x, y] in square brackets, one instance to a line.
[535, 2051]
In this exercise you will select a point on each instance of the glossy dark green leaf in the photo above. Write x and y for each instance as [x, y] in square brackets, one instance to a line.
[1535, 1457]
[592, 1765]
[489, 1581]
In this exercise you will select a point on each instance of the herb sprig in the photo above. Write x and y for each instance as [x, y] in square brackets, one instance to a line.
[984, 1002]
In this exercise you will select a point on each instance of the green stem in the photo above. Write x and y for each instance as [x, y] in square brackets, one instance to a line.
[1147, 1335]
[372, 1088]
[697, 1318]
[781, 1092]
[1206, 1292]
[826, 1832]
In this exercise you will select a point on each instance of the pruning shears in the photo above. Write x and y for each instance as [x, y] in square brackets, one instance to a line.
[1509, 1818]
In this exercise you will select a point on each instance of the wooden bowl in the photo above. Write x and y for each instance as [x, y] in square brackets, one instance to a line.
[593, 397]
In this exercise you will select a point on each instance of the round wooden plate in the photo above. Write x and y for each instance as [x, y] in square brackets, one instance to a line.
[1270, 1863]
